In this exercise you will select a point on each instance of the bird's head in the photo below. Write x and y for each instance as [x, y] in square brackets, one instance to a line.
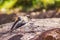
[24, 18]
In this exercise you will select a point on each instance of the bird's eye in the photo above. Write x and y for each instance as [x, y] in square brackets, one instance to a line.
[19, 18]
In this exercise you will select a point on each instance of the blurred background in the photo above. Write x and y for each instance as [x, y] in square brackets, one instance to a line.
[35, 8]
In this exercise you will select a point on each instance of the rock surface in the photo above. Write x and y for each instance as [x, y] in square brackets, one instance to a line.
[29, 31]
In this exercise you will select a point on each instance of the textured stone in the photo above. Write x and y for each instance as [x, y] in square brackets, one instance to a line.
[32, 29]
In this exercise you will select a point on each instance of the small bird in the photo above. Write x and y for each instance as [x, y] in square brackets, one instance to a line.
[22, 20]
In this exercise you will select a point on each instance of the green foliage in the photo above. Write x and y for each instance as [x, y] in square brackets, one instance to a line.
[37, 4]
[1, 3]
[8, 4]
[47, 3]
[57, 3]
[27, 4]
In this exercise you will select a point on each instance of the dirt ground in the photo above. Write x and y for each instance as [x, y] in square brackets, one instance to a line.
[33, 30]
[41, 22]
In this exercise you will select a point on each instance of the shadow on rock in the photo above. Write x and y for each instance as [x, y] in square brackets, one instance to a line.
[16, 37]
